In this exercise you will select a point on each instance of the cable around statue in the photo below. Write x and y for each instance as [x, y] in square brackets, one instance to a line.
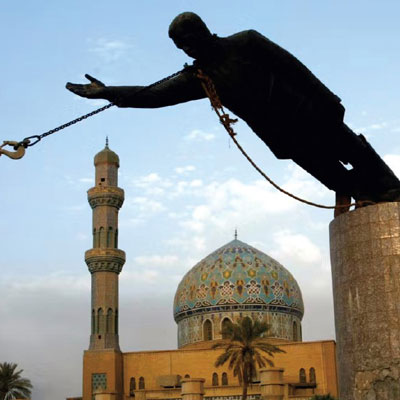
[292, 111]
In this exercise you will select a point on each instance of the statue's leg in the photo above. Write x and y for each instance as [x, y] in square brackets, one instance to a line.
[328, 171]
[372, 178]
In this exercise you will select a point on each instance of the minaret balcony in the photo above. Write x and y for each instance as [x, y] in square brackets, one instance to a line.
[105, 260]
[106, 196]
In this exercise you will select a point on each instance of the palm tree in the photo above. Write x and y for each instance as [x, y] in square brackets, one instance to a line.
[12, 386]
[246, 340]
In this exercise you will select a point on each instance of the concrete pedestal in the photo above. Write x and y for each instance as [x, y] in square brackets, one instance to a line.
[192, 388]
[271, 383]
[365, 257]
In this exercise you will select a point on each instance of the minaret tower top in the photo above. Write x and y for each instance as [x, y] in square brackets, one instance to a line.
[105, 260]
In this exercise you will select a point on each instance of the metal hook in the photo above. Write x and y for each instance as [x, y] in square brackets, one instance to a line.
[19, 148]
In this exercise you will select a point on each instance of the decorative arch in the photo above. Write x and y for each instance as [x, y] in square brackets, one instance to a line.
[116, 322]
[93, 321]
[110, 240]
[215, 379]
[225, 323]
[100, 320]
[302, 375]
[109, 321]
[207, 330]
[141, 383]
[187, 376]
[94, 238]
[313, 378]
[295, 332]
[132, 386]
[224, 379]
[102, 241]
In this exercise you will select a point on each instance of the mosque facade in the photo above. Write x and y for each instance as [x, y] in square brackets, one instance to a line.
[234, 281]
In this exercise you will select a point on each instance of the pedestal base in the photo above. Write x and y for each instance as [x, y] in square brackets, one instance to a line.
[365, 257]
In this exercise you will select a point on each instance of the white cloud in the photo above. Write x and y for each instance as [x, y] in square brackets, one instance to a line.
[147, 206]
[199, 135]
[109, 50]
[185, 169]
[393, 161]
[157, 260]
[296, 248]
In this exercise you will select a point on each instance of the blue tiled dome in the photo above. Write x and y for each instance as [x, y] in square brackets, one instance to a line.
[237, 277]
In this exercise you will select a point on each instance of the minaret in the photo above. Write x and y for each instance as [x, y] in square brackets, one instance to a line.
[105, 260]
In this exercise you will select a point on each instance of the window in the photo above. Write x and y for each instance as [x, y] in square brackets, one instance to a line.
[312, 375]
[101, 237]
[226, 322]
[132, 387]
[93, 322]
[215, 379]
[207, 330]
[141, 383]
[302, 375]
[109, 237]
[187, 376]
[224, 379]
[295, 335]
[99, 381]
[100, 321]
[109, 321]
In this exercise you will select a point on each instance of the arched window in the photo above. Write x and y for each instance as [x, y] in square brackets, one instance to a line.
[99, 320]
[302, 375]
[109, 321]
[313, 378]
[295, 335]
[215, 379]
[132, 387]
[110, 237]
[102, 241]
[226, 322]
[116, 322]
[224, 379]
[97, 238]
[207, 330]
[187, 376]
[93, 322]
[94, 237]
[116, 239]
[141, 383]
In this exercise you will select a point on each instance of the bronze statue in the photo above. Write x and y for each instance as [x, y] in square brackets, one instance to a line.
[293, 112]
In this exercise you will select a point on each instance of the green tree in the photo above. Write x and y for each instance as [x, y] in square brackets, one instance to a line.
[246, 343]
[12, 385]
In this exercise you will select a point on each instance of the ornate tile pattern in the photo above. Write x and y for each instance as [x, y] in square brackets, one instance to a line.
[241, 279]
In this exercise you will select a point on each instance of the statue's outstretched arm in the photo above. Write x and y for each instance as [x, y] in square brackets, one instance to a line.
[179, 89]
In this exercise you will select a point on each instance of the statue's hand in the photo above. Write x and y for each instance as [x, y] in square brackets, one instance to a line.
[94, 90]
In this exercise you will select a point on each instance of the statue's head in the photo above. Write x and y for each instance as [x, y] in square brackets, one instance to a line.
[190, 33]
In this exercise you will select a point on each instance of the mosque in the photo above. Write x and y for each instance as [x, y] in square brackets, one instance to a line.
[234, 281]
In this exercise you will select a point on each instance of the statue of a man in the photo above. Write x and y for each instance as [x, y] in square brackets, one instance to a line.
[293, 112]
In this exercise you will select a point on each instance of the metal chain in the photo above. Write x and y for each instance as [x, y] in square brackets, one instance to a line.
[26, 142]
[226, 121]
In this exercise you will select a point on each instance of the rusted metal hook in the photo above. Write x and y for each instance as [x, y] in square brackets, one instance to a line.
[19, 148]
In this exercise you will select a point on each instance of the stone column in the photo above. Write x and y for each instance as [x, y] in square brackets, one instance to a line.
[192, 388]
[101, 394]
[365, 257]
[271, 383]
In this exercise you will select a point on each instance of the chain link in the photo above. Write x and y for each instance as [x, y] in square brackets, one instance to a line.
[27, 142]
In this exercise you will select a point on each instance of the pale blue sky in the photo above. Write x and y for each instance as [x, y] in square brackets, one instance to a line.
[186, 187]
